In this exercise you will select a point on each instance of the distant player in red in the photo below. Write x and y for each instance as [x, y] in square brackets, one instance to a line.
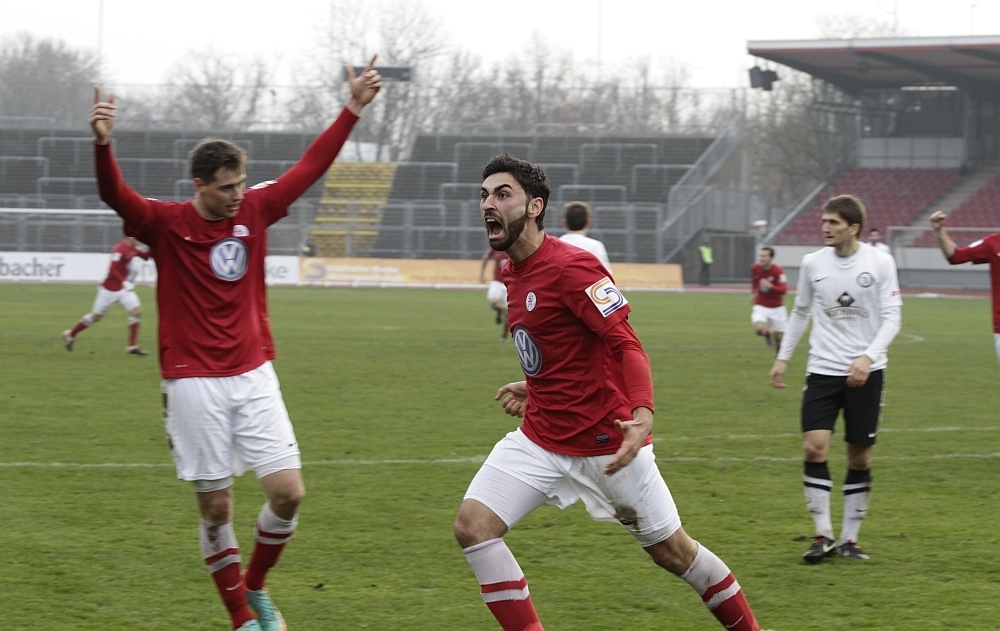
[768, 286]
[496, 293]
[223, 408]
[587, 404]
[983, 251]
[117, 287]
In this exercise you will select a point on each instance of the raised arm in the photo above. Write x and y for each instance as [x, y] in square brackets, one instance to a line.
[944, 241]
[322, 152]
[131, 206]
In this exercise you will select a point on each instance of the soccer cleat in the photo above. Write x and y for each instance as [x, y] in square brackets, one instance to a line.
[851, 550]
[250, 625]
[68, 340]
[135, 350]
[267, 614]
[821, 548]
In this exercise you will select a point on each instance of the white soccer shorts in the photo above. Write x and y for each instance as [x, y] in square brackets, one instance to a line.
[220, 427]
[996, 344]
[128, 299]
[497, 293]
[776, 318]
[519, 476]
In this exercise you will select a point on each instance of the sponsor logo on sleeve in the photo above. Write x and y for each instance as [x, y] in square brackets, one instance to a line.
[528, 352]
[606, 296]
[257, 187]
[229, 259]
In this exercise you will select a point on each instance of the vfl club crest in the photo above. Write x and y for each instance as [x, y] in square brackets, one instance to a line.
[606, 296]
[528, 352]
[229, 259]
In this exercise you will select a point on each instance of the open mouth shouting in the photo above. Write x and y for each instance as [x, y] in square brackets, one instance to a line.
[495, 230]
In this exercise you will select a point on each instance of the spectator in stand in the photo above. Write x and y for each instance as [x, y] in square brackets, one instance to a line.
[117, 287]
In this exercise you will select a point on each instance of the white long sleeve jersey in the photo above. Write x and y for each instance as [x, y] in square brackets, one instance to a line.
[855, 305]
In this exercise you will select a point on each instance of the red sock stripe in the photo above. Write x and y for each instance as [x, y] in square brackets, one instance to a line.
[274, 535]
[718, 587]
[221, 555]
[504, 586]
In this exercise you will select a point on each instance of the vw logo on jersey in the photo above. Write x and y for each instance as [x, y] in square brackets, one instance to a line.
[865, 279]
[229, 259]
[528, 352]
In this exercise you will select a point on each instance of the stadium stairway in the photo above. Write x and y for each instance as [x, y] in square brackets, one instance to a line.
[348, 215]
[973, 191]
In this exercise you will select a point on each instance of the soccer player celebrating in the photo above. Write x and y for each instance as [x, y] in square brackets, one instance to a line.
[852, 294]
[986, 250]
[768, 286]
[117, 287]
[587, 404]
[222, 404]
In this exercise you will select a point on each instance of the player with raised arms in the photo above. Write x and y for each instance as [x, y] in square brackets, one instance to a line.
[587, 404]
[223, 409]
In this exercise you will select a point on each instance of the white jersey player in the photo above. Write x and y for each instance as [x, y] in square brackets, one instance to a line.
[577, 218]
[852, 294]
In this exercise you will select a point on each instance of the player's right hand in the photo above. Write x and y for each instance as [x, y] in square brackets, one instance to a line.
[514, 398]
[102, 116]
[938, 220]
[778, 373]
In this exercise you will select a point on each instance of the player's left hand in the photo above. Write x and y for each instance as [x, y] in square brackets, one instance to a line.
[514, 398]
[858, 371]
[364, 87]
[765, 285]
[635, 433]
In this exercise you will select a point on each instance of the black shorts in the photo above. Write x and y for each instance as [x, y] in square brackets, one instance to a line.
[826, 395]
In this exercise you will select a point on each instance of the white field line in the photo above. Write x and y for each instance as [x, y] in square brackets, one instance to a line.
[480, 458]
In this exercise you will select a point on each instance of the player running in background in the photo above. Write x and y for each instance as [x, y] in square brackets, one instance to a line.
[577, 218]
[768, 286]
[117, 287]
[587, 405]
[875, 240]
[223, 409]
[852, 294]
[496, 292]
[985, 250]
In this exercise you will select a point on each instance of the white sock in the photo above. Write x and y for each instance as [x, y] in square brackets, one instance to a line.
[857, 491]
[816, 484]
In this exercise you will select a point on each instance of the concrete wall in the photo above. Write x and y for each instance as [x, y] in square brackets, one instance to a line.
[913, 153]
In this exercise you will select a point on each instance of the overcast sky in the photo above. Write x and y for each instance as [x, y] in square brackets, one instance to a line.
[142, 39]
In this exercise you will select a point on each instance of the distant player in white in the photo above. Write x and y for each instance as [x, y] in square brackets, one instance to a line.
[875, 240]
[852, 293]
[577, 218]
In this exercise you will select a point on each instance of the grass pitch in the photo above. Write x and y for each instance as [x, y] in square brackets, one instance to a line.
[391, 393]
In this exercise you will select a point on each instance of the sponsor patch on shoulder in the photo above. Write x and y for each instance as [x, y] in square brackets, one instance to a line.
[606, 296]
[257, 187]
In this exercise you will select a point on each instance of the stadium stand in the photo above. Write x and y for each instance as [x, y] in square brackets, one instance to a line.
[433, 207]
[348, 214]
[893, 197]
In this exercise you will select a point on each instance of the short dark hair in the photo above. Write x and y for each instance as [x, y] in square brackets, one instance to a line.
[873, 229]
[531, 178]
[212, 154]
[849, 208]
[769, 249]
[576, 215]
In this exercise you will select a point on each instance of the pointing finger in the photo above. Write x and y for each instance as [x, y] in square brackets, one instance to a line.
[371, 64]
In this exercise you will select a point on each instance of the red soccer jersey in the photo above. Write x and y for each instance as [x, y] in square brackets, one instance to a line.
[121, 256]
[210, 290]
[984, 251]
[775, 296]
[561, 301]
[500, 259]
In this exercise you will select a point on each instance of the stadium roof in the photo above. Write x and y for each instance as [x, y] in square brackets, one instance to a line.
[971, 64]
